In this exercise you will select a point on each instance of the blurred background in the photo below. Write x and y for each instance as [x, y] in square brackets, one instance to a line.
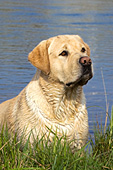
[24, 23]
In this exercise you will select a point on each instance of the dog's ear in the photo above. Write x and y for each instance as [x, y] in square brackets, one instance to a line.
[39, 56]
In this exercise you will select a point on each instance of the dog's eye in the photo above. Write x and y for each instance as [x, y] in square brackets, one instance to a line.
[83, 50]
[64, 53]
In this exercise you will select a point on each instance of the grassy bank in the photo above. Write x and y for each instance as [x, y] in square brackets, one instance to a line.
[97, 155]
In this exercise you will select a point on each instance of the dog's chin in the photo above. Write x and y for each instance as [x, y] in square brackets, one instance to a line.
[83, 80]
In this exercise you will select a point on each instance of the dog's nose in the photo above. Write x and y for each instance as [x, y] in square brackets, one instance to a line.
[85, 61]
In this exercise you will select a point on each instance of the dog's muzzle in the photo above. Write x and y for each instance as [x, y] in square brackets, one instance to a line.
[86, 65]
[87, 74]
[86, 70]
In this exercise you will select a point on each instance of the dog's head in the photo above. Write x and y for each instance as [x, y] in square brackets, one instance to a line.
[66, 58]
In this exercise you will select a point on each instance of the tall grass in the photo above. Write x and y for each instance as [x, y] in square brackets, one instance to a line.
[57, 155]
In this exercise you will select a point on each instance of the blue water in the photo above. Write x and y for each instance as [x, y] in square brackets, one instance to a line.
[24, 23]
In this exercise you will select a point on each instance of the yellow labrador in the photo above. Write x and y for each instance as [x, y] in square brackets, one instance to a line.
[54, 99]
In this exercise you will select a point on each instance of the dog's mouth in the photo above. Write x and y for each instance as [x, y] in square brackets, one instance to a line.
[83, 79]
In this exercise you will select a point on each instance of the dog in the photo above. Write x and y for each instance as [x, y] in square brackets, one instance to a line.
[54, 98]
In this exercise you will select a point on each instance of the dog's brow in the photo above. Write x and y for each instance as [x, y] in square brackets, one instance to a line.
[64, 46]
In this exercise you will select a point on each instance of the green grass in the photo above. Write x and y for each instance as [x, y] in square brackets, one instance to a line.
[96, 155]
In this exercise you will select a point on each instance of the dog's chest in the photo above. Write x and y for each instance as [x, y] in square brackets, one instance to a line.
[64, 116]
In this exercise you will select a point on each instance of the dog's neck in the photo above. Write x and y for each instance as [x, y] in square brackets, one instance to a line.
[65, 102]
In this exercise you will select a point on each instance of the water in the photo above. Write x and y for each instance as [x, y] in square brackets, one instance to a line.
[24, 23]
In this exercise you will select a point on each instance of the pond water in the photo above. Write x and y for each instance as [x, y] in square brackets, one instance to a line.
[24, 23]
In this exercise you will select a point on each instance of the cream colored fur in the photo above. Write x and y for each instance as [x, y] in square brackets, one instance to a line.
[47, 101]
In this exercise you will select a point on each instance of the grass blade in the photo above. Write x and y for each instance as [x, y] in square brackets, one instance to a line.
[111, 127]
